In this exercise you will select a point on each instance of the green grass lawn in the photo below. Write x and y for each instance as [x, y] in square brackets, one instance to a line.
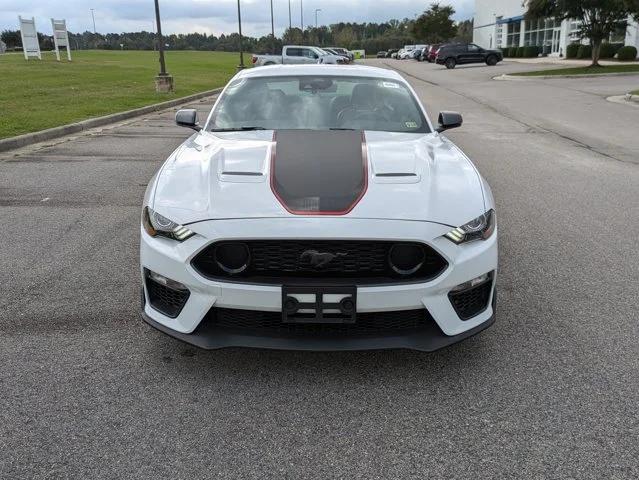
[636, 92]
[582, 70]
[35, 95]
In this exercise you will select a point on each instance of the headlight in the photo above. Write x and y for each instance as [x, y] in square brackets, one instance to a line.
[480, 228]
[158, 225]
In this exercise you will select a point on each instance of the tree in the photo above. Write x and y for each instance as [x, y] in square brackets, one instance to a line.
[435, 25]
[464, 31]
[599, 18]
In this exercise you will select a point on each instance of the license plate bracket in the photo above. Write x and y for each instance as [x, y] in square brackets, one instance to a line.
[319, 305]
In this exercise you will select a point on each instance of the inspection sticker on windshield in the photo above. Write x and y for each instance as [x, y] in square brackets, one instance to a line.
[411, 125]
[390, 85]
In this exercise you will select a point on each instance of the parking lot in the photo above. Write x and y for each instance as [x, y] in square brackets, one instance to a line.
[550, 391]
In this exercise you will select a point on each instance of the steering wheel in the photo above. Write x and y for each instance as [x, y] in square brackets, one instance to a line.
[376, 112]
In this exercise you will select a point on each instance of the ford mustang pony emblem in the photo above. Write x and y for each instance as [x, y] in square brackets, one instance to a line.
[319, 259]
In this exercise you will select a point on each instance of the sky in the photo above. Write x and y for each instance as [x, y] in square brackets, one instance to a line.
[210, 16]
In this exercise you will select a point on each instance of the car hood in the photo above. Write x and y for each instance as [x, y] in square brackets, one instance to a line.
[416, 177]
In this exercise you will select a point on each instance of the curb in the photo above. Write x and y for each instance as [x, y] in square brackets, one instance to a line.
[627, 99]
[56, 132]
[550, 77]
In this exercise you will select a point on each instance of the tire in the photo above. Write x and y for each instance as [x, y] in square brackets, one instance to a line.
[491, 60]
[450, 63]
[268, 63]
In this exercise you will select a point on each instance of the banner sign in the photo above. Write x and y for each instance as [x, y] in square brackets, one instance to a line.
[30, 44]
[60, 37]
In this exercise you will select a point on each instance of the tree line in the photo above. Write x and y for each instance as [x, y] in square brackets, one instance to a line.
[433, 25]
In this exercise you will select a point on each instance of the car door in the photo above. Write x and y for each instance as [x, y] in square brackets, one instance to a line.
[309, 55]
[474, 54]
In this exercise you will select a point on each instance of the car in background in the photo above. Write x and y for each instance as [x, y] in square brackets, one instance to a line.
[398, 55]
[464, 53]
[333, 51]
[391, 52]
[381, 54]
[298, 54]
[423, 54]
[345, 52]
[405, 55]
[432, 52]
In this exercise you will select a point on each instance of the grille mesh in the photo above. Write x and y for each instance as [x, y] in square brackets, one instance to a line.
[166, 300]
[471, 302]
[378, 323]
[276, 261]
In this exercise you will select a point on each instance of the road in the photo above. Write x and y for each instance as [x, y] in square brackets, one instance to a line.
[550, 391]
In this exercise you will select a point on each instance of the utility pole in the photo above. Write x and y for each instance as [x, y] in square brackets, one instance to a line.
[302, 15]
[239, 21]
[93, 17]
[272, 30]
[290, 19]
[164, 81]
[316, 11]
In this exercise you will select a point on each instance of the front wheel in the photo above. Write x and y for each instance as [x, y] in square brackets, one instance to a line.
[491, 61]
[450, 63]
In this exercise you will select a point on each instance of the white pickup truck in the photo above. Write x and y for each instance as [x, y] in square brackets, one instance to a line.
[299, 54]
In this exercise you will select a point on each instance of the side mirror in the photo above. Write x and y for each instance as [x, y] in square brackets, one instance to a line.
[448, 120]
[188, 118]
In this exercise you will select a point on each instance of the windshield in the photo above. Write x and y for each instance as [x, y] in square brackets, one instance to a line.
[318, 103]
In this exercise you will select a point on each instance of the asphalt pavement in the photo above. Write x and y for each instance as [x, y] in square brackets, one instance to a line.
[550, 391]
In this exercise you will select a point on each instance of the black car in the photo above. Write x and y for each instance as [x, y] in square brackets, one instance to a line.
[461, 53]
[391, 51]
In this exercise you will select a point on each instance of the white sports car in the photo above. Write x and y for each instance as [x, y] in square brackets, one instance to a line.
[318, 209]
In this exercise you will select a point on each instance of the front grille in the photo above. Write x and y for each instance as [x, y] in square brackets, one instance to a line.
[470, 303]
[166, 300]
[353, 262]
[270, 323]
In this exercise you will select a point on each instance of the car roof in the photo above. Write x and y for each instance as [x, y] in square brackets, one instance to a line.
[318, 69]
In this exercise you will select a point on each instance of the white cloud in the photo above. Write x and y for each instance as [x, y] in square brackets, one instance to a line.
[210, 16]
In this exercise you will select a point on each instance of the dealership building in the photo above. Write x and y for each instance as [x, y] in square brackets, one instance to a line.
[501, 24]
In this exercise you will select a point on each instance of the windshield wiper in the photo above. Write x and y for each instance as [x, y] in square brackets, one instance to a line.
[238, 129]
[350, 129]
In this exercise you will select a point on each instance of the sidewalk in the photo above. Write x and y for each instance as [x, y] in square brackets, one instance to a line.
[565, 62]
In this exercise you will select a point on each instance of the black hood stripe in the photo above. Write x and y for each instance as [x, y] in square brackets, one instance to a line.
[317, 172]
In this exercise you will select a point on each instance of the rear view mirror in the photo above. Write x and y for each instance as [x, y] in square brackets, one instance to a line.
[188, 118]
[448, 120]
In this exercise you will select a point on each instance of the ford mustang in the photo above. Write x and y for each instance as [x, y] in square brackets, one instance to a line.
[318, 208]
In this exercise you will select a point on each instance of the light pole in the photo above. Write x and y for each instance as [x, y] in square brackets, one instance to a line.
[316, 11]
[239, 21]
[164, 81]
[93, 17]
[290, 19]
[272, 30]
[302, 15]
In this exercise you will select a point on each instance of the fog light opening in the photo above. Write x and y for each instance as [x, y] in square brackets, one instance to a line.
[473, 283]
[164, 281]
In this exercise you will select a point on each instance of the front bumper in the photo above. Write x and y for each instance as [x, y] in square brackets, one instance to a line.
[173, 260]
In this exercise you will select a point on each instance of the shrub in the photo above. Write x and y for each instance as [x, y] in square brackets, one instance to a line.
[606, 51]
[520, 51]
[585, 51]
[627, 53]
[571, 50]
[505, 52]
[616, 47]
[512, 52]
[532, 51]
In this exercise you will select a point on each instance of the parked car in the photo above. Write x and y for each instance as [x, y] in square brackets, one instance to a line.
[381, 54]
[333, 51]
[399, 53]
[405, 55]
[463, 53]
[318, 209]
[345, 52]
[432, 52]
[391, 52]
[298, 54]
